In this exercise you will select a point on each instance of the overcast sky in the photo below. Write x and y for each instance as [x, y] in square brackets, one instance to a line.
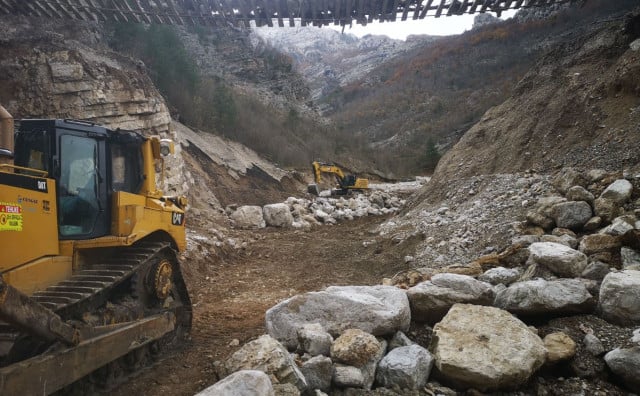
[443, 26]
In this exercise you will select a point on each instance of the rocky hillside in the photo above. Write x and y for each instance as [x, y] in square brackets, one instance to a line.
[579, 106]
[67, 70]
[328, 59]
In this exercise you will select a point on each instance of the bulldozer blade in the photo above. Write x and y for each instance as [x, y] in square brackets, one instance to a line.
[45, 374]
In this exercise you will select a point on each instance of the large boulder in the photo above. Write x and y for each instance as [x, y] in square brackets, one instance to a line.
[572, 214]
[278, 215]
[248, 217]
[620, 297]
[241, 383]
[485, 348]
[625, 363]
[269, 356]
[406, 367]
[379, 310]
[541, 297]
[560, 259]
[431, 300]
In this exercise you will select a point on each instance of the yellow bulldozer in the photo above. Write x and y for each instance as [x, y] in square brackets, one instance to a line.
[90, 278]
[346, 183]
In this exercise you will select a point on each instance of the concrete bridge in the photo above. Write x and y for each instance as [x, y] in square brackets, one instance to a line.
[261, 12]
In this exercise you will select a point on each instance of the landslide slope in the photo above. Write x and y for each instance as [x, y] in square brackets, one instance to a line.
[579, 106]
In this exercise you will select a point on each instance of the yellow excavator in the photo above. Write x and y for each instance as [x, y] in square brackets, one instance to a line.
[346, 183]
[90, 278]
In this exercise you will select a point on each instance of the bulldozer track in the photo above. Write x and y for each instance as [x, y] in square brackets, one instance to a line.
[95, 284]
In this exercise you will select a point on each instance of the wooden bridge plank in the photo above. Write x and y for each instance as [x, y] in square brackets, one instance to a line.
[280, 13]
[348, 9]
[383, 11]
[95, 10]
[485, 5]
[7, 7]
[474, 6]
[394, 11]
[426, 9]
[416, 12]
[440, 8]
[405, 11]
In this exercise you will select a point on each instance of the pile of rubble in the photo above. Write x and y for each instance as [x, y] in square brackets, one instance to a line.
[304, 213]
[556, 312]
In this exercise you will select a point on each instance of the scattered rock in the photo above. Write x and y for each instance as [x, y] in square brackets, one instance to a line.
[269, 356]
[541, 297]
[243, 382]
[314, 340]
[625, 363]
[498, 275]
[248, 217]
[318, 372]
[572, 215]
[278, 215]
[560, 259]
[431, 300]
[559, 347]
[618, 191]
[355, 348]
[620, 297]
[406, 367]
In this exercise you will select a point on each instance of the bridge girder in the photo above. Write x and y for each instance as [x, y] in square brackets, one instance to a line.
[261, 12]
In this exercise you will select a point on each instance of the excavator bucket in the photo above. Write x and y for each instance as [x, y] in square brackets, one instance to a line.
[313, 189]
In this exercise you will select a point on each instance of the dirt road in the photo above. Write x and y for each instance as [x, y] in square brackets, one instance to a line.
[232, 291]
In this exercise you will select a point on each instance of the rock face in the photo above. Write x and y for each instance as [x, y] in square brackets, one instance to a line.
[618, 191]
[620, 297]
[378, 310]
[269, 356]
[431, 300]
[558, 258]
[406, 367]
[572, 215]
[541, 297]
[241, 383]
[485, 348]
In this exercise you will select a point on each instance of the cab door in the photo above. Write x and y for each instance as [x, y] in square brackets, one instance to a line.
[82, 190]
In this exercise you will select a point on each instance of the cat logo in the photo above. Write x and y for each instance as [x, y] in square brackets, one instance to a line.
[177, 218]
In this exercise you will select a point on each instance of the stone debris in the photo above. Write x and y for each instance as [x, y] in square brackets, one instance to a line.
[547, 293]
[302, 213]
[243, 382]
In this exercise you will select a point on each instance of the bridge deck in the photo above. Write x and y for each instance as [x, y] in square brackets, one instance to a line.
[261, 12]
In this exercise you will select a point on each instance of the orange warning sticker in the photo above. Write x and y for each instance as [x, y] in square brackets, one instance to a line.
[10, 217]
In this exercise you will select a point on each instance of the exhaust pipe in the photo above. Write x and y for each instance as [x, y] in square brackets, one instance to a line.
[6, 137]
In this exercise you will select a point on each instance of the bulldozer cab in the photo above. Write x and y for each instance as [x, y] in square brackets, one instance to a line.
[88, 164]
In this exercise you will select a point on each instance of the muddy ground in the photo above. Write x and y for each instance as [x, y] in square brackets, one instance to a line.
[232, 290]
